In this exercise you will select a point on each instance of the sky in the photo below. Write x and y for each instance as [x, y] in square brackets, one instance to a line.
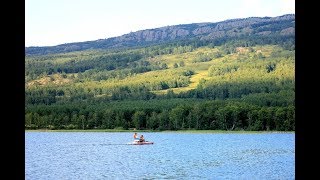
[53, 22]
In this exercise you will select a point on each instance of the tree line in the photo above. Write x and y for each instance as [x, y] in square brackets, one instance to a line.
[231, 115]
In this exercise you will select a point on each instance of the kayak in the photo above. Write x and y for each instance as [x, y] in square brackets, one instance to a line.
[141, 143]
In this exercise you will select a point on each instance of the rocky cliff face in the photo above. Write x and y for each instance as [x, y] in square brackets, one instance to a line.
[283, 25]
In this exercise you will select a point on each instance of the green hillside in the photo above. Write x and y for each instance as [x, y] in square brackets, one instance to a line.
[243, 83]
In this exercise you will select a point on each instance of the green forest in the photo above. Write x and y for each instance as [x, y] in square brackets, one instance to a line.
[230, 83]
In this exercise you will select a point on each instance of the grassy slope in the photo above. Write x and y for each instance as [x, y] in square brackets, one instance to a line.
[201, 68]
[241, 58]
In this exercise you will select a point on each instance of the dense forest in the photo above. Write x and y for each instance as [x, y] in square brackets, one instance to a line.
[243, 79]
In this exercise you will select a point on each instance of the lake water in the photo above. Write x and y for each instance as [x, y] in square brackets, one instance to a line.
[103, 155]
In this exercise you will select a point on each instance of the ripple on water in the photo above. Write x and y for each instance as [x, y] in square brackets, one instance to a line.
[173, 156]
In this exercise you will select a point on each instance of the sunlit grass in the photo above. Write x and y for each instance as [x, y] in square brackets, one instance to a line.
[250, 68]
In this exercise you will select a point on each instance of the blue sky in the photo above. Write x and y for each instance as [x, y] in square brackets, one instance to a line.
[53, 22]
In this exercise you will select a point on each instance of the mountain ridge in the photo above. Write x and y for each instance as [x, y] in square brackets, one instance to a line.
[203, 31]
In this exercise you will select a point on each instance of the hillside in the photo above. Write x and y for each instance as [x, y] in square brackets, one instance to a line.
[217, 32]
[243, 79]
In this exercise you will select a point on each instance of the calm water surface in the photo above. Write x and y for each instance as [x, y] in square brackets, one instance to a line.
[103, 155]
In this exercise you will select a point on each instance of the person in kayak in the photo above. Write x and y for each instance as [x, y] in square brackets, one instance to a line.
[141, 139]
[135, 136]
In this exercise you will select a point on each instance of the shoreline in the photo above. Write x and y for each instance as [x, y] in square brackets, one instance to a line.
[158, 131]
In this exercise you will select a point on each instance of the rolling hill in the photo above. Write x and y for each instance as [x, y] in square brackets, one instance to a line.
[233, 75]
